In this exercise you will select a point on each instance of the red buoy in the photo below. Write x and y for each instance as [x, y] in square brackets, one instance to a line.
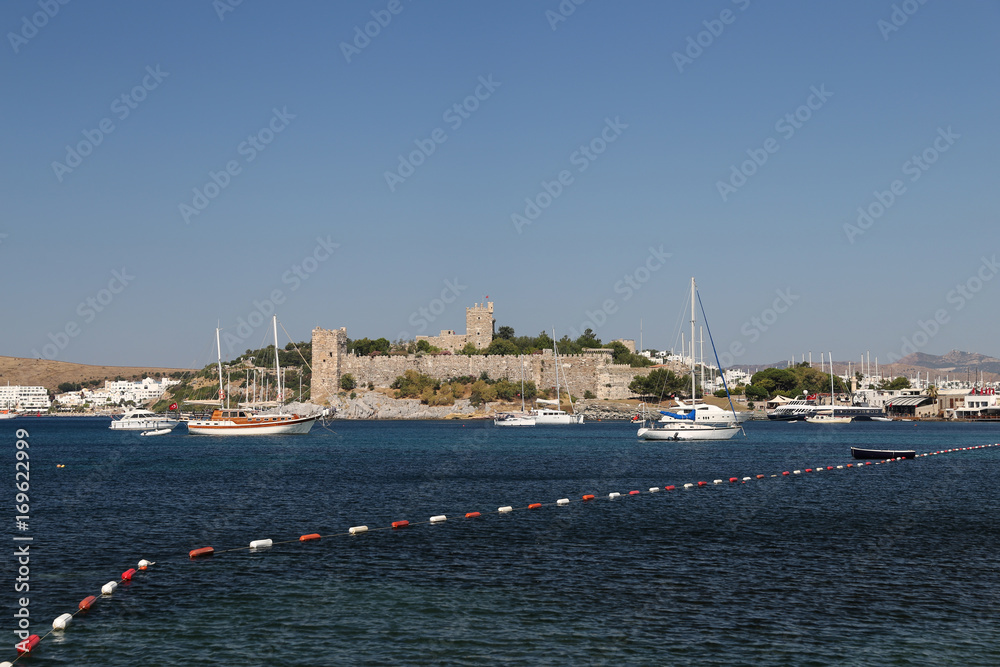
[28, 644]
[850, 465]
[702, 483]
[471, 515]
[829, 467]
[534, 506]
[633, 493]
[87, 602]
[785, 473]
[809, 469]
[400, 524]
[733, 479]
[760, 477]
[310, 536]
[127, 574]
[589, 496]
[204, 551]
[670, 488]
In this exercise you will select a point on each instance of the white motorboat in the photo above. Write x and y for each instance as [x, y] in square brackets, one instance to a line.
[143, 420]
[824, 418]
[678, 426]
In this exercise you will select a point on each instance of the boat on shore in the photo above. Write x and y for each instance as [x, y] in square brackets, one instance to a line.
[861, 453]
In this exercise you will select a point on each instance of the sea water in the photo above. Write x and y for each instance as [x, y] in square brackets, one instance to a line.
[889, 564]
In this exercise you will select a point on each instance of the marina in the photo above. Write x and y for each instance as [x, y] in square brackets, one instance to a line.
[637, 579]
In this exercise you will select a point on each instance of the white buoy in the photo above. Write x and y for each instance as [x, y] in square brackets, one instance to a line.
[62, 621]
[6, 664]
[688, 485]
[613, 494]
[796, 472]
[109, 588]
[746, 479]
[717, 481]
[654, 489]
[562, 501]
[354, 530]
[840, 467]
[439, 518]
[143, 564]
[260, 544]
[505, 509]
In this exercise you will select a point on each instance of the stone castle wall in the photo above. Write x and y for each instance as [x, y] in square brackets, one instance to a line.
[592, 371]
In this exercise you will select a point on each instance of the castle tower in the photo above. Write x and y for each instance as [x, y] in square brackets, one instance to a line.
[479, 325]
[329, 347]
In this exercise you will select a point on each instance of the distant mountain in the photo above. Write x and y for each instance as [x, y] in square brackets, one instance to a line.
[50, 374]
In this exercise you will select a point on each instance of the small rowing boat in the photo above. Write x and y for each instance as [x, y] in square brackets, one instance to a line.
[159, 431]
[859, 453]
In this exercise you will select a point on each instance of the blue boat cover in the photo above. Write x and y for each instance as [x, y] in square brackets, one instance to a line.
[690, 415]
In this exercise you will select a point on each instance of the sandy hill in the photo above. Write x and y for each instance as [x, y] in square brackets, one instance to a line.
[50, 374]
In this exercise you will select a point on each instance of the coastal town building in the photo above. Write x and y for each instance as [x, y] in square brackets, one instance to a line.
[26, 398]
[117, 392]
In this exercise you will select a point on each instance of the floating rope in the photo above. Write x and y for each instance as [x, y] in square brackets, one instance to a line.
[62, 621]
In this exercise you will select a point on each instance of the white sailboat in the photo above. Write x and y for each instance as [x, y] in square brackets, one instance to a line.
[516, 418]
[829, 417]
[555, 416]
[686, 427]
[242, 421]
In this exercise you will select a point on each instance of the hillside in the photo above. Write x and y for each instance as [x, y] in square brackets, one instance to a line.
[50, 374]
[956, 364]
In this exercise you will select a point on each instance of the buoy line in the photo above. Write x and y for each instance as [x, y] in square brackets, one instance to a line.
[62, 621]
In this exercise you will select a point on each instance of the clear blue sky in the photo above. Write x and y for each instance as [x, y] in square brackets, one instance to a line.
[326, 131]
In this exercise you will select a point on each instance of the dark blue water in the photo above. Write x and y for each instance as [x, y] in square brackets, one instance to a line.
[892, 564]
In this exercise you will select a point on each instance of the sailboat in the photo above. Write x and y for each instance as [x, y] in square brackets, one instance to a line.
[243, 421]
[555, 416]
[829, 417]
[685, 426]
[516, 418]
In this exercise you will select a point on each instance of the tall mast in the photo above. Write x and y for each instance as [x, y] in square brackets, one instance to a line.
[555, 349]
[833, 397]
[701, 353]
[218, 349]
[277, 366]
[693, 388]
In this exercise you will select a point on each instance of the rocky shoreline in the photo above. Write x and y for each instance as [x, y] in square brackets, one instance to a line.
[376, 405]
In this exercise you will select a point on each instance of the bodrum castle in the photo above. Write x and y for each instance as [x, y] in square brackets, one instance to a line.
[591, 371]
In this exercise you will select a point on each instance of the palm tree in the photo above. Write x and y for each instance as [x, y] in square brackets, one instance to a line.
[932, 393]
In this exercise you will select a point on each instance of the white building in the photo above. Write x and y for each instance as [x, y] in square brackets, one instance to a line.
[28, 399]
[117, 392]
